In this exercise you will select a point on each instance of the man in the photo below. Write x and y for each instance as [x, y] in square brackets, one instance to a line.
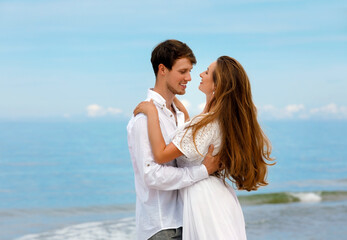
[158, 206]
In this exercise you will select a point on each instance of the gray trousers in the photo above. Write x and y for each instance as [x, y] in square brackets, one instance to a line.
[168, 234]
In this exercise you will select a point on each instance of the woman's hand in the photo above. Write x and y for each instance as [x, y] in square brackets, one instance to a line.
[146, 108]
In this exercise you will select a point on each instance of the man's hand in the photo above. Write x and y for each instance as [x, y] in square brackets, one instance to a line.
[211, 163]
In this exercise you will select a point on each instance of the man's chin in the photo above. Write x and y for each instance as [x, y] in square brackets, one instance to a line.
[177, 92]
[181, 92]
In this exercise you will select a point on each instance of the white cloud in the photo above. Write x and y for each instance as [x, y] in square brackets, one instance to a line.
[267, 108]
[330, 111]
[299, 111]
[327, 109]
[289, 111]
[95, 110]
[293, 108]
[201, 106]
[186, 103]
[113, 111]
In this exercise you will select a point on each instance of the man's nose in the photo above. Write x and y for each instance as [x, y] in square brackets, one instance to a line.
[188, 77]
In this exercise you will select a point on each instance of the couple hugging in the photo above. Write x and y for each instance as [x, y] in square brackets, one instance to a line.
[181, 165]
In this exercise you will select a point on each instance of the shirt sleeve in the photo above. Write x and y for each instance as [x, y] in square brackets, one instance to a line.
[157, 176]
[204, 137]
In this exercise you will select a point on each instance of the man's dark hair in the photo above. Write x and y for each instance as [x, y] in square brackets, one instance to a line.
[168, 52]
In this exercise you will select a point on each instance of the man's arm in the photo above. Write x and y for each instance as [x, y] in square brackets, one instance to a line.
[158, 176]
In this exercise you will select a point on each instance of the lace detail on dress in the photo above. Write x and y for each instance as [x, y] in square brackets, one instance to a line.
[194, 154]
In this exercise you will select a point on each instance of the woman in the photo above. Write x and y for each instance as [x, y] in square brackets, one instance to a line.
[229, 122]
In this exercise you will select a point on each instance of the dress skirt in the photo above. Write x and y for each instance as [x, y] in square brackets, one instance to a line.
[212, 211]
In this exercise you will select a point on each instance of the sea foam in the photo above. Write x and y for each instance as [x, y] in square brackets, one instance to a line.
[123, 229]
[307, 197]
[290, 197]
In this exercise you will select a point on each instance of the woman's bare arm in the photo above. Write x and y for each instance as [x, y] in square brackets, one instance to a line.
[181, 107]
[162, 153]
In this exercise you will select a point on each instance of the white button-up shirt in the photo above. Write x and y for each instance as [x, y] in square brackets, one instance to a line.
[158, 205]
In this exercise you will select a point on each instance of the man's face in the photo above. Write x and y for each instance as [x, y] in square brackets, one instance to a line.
[179, 76]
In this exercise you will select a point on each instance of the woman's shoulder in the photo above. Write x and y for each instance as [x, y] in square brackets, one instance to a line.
[213, 124]
[197, 118]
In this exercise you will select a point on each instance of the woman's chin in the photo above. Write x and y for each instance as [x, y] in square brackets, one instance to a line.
[204, 92]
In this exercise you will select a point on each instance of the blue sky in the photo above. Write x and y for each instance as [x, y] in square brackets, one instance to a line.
[91, 59]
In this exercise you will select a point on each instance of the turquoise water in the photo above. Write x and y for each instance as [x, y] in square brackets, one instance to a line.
[67, 180]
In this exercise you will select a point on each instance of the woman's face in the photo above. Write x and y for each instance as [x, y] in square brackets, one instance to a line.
[207, 85]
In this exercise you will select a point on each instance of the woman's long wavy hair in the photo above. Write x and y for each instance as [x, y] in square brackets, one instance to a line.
[245, 149]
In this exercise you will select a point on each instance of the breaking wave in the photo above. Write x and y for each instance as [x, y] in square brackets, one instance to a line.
[289, 197]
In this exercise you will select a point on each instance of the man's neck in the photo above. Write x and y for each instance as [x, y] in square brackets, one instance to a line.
[166, 94]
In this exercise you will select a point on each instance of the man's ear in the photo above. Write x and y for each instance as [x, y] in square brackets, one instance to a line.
[162, 69]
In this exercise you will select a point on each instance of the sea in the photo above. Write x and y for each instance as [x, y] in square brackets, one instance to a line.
[62, 180]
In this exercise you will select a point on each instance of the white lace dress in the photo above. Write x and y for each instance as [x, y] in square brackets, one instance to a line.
[211, 208]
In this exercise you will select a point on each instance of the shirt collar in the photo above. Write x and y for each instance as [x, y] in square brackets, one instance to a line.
[159, 100]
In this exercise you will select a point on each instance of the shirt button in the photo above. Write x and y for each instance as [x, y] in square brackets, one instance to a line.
[171, 115]
[148, 165]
